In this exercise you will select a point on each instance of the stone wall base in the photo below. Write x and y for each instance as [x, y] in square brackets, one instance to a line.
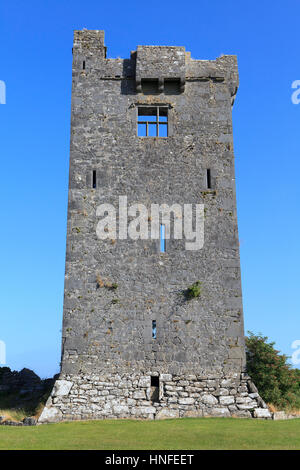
[281, 415]
[83, 397]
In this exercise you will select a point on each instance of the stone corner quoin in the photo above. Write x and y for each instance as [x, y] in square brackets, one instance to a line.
[157, 128]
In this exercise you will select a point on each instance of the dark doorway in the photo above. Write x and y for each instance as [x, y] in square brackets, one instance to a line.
[154, 395]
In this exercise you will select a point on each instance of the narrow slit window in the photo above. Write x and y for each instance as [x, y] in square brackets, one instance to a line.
[152, 121]
[94, 179]
[162, 238]
[153, 329]
[83, 65]
[208, 178]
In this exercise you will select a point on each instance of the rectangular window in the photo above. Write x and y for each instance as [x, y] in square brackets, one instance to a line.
[153, 329]
[162, 238]
[153, 121]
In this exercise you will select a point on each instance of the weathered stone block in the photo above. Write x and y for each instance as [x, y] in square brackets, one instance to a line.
[226, 400]
[139, 395]
[120, 409]
[144, 382]
[262, 413]
[193, 414]
[165, 377]
[61, 388]
[50, 415]
[166, 414]
[186, 401]
[248, 406]
[208, 399]
[221, 412]
[143, 410]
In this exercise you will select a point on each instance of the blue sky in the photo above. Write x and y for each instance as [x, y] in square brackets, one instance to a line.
[36, 42]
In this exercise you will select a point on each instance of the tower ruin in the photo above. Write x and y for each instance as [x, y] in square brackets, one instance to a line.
[152, 324]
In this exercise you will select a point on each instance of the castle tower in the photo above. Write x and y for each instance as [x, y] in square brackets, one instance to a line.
[152, 321]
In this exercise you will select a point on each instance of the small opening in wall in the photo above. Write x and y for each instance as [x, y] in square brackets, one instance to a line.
[172, 87]
[208, 178]
[94, 179]
[154, 394]
[149, 87]
[154, 381]
[83, 65]
[153, 329]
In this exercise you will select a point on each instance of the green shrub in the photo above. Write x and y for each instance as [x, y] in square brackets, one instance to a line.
[193, 291]
[277, 382]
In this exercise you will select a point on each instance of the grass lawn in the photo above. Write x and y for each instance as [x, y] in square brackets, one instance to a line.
[185, 434]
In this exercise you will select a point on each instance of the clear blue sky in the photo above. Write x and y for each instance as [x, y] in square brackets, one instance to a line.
[36, 42]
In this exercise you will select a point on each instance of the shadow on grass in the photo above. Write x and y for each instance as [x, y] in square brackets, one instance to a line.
[22, 393]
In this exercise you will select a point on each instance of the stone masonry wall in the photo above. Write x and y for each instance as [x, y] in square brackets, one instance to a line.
[116, 288]
[112, 327]
[129, 396]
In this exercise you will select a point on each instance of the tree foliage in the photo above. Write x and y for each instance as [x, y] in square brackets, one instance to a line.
[278, 383]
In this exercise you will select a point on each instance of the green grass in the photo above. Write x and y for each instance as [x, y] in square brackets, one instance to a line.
[186, 434]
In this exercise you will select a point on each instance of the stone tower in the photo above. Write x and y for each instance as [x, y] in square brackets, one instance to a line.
[152, 324]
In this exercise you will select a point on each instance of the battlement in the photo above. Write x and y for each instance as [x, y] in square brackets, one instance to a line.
[151, 63]
[88, 40]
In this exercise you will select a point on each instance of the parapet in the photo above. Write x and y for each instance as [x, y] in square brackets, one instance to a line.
[90, 41]
[160, 63]
[153, 63]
